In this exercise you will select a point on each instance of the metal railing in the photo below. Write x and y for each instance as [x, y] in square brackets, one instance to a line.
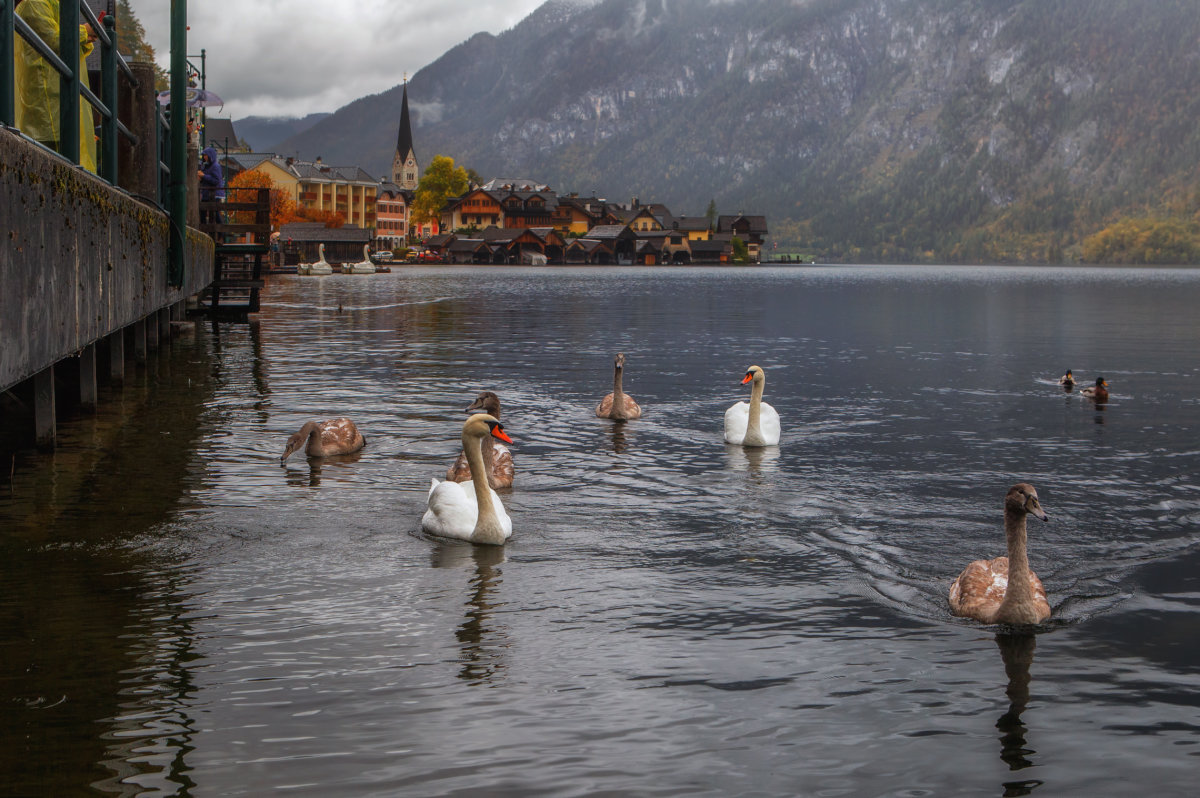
[72, 86]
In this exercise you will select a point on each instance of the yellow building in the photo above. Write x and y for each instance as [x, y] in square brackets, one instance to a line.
[346, 191]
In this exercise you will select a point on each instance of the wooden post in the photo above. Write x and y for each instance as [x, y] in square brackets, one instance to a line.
[43, 408]
[151, 323]
[164, 325]
[87, 378]
[139, 340]
[116, 357]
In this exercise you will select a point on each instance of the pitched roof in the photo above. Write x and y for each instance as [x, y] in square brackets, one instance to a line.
[696, 223]
[315, 231]
[758, 224]
[606, 231]
[220, 132]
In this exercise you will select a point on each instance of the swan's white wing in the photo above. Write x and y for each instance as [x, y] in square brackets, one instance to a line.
[736, 419]
[452, 510]
[768, 424]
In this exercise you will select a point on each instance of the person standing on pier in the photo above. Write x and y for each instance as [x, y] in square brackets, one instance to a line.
[37, 82]
[212, 183]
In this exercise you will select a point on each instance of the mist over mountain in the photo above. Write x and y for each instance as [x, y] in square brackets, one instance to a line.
[264, 133]
[866, 129]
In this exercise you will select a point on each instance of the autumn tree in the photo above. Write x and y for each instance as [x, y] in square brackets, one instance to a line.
[441, 181]
[283, 207]
[327, 218]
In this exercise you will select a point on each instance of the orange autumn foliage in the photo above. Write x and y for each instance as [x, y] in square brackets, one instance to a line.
[283, 207]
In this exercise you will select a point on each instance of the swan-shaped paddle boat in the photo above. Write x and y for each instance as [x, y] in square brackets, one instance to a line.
[364, 266]
[319, 268]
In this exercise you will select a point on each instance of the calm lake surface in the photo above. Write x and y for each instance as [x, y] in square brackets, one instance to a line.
[672, 616]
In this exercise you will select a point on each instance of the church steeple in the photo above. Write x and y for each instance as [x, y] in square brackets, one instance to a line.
[405, 171]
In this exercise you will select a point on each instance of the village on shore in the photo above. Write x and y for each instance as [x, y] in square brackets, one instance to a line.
[502, 221]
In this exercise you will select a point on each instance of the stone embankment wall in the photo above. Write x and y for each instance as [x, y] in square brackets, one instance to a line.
[79, 260]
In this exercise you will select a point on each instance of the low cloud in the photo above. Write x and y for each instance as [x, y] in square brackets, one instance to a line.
[296, 57]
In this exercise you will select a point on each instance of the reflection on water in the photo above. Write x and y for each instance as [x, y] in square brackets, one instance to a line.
[333, 465]
[480, 637]
[1017, 652]
[185, 619]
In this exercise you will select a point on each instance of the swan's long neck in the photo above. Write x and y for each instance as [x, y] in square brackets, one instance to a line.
[1020, 586]
[753, 430]
[487, 524]
[618, 404]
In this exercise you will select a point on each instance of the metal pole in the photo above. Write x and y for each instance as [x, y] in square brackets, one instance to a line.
[179, 175]
[203, 109]
[8, 91]
[108, 74]
[68, 92]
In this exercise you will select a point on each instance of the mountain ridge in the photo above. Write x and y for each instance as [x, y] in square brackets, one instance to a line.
[864, 129]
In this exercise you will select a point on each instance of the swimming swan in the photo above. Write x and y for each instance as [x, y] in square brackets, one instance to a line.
[618, 405]
[1005, 590]
[497, 459]
[454, 507]
[325, 438]
[754, 424]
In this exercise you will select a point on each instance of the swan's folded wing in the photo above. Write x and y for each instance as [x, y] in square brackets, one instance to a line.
[736, 419]
[452, 510]
[768, 424]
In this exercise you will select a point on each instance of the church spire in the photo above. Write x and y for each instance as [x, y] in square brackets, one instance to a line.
[404, 163]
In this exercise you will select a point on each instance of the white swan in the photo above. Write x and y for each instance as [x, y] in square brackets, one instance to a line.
[454, 507]
[321, 266]
[364, 266]
[618, 405]
[754, 424]
[1005, 590]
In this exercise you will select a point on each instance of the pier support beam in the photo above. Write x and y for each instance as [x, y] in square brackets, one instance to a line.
[151, 323]
[87, 379]
[139, 341]
[164, 325]
[116, 357]
[45, 429]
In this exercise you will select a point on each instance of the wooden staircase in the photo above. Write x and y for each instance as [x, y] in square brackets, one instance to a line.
[241, 228]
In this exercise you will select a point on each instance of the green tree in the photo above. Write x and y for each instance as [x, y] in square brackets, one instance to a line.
[131, 41]
[711, 214]
[441, 181]
[741, 253]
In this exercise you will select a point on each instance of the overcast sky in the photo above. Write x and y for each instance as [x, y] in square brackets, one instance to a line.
[296, 57]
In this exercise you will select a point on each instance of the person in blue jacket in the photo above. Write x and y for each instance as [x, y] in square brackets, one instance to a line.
[212, 183]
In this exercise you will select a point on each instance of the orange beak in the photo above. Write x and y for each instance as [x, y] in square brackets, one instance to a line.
[747, 378]
[497, 432]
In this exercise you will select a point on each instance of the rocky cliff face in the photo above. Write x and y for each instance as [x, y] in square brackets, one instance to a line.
[965, 129]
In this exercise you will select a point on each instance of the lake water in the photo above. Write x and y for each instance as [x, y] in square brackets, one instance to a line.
[672, 616]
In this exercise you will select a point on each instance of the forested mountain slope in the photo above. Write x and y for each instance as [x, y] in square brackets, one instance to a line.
[865, 129]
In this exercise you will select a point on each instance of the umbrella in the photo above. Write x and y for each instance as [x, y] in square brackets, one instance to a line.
[195, 98]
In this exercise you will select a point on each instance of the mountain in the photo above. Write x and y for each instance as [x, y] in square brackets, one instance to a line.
[265, 133]
[962, 130]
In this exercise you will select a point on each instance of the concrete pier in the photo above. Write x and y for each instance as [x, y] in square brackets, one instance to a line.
[81, 262]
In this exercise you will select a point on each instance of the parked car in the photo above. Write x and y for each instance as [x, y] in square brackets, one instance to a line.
[382, 255]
